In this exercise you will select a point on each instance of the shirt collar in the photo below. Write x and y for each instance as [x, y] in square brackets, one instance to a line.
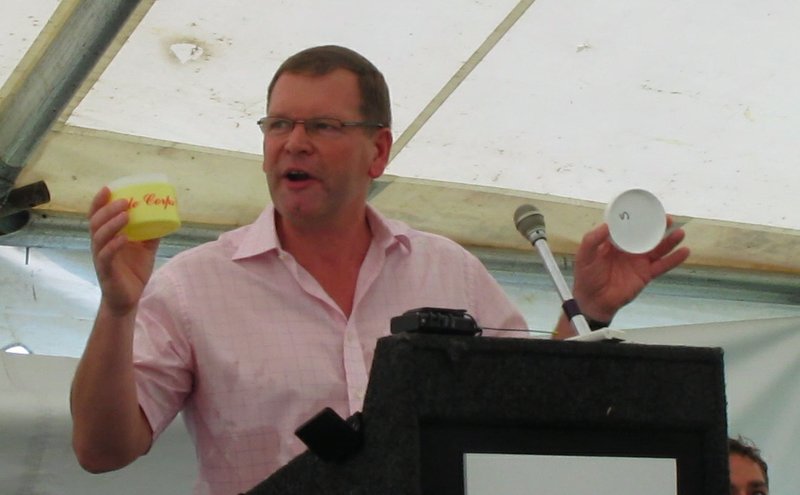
[262, 237]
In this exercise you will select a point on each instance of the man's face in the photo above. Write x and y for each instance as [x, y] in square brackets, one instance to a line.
[746, 476]
[319, 178]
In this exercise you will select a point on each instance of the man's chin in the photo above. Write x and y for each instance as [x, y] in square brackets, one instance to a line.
[299, 212]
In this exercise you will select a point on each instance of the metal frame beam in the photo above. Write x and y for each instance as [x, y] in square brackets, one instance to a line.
[77, 36]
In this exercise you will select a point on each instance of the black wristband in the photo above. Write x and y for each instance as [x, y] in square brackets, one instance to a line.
[597, 325]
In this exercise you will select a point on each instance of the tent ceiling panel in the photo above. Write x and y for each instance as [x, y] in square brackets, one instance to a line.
[197, 72]
[586, 99]
[575, 103]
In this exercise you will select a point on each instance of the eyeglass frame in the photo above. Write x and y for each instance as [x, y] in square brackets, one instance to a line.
[344, 124]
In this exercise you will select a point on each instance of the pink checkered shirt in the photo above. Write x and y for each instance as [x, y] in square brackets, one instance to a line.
[242, 339]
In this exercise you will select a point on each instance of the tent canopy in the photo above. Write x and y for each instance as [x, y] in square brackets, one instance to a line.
[563, 104]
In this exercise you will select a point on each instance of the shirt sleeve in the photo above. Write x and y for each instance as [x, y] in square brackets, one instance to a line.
[162, 355]
[493, 308]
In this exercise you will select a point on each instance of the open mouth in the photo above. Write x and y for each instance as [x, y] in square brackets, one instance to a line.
[297, 175]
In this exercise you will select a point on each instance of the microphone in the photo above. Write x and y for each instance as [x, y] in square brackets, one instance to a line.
[530, 223]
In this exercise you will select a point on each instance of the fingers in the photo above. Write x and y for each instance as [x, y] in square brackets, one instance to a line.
[151, 244]
[100, 199]
[106, 219]
[106, 222]
[596, 236]
[105, 243]
[667, 263]
[667, 244]
[595, 244]
[665, 257]
[101, 212]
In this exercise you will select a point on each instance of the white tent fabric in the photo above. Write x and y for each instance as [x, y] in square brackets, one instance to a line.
[563, 102]
[761, 369]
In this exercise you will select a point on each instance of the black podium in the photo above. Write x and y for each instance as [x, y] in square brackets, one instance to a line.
[432, 398]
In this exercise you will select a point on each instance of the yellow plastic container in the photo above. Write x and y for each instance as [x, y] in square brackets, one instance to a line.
[152, 205]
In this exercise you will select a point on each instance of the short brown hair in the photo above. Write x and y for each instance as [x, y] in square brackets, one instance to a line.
[322, 60]
[746, 448]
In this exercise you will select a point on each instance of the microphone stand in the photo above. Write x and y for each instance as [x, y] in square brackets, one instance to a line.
[568, 303]
[530, 223]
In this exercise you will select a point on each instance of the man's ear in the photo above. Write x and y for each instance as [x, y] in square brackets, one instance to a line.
[382, 141]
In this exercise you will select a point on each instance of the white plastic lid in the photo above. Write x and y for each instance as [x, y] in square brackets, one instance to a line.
[636, 221]
[137, 179]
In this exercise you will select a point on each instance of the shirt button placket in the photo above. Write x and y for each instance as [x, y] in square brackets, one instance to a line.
[355, 370]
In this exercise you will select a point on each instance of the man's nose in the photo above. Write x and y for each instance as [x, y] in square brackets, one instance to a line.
[298, 138]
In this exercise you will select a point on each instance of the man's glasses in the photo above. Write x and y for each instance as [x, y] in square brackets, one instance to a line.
[317, 126]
